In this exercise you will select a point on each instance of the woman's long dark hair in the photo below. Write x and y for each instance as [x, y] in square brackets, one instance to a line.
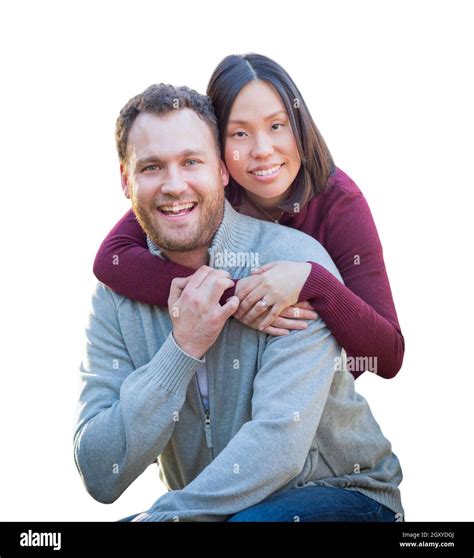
[228, 79]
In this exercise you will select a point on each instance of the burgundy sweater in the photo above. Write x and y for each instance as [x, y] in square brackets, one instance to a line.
[360, 314]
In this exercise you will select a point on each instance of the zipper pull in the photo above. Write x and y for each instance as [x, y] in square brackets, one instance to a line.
[207, 429]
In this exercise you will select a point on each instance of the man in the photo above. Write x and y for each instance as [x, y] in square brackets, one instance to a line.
[279, 435]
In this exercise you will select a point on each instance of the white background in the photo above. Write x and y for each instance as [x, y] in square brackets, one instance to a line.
[389, 85]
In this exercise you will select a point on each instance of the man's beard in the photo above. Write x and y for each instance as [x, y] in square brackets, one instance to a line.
[199, 235]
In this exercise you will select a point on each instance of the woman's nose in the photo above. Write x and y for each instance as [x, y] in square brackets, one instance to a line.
[263, 147]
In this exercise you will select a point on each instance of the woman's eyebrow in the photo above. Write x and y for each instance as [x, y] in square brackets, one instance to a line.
[269, 117]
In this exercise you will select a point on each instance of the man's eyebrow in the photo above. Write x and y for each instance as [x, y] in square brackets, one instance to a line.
[154, 159]
[191, 153]
[269, 117]
[147, 161]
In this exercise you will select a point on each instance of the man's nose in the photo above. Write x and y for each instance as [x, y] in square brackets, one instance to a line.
[174, 184]
[262, 147]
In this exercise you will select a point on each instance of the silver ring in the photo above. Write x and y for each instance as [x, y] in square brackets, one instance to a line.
[263, 302]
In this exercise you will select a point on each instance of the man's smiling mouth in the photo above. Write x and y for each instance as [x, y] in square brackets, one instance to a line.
[177, 209]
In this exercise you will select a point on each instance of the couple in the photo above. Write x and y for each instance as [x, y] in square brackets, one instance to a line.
[218, 368]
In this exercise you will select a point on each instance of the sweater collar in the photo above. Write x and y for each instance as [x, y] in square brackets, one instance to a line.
[233, 237]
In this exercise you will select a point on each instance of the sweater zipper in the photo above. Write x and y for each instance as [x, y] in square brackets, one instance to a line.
[207, 420]
[207, 412]
[207, 429]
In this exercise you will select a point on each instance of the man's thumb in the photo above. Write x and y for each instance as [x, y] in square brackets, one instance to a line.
[177, 286]
[230, 307]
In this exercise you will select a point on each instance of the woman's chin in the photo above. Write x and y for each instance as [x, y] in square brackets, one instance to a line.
[268, 193]
[273, 190]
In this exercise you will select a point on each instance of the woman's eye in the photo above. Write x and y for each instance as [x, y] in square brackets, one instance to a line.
[239, 134]
[276, 124]
[151, 168]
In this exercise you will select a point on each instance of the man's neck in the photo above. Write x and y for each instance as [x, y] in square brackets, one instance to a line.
[194, 258]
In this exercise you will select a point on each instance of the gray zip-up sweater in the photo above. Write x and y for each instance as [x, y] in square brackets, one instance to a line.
[282, 415]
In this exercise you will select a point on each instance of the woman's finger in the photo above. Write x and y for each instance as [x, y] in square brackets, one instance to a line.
[245, 286]
[262, 269]
[250, 301]
[275, 331]
[304, 304]
[273, 314]
[289, 324]
[257, 310]
[299, 313]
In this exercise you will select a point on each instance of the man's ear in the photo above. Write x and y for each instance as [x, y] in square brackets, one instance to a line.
[224, 173]
[124, 181]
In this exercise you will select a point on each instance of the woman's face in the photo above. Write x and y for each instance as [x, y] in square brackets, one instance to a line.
[260, 148]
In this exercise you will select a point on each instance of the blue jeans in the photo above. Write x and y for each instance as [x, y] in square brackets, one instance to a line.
[317, 503]
[314, 503]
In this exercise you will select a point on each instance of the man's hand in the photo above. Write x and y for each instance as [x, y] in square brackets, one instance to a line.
[195, 312]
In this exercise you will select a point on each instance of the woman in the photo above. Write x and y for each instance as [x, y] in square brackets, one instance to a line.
[281, 170]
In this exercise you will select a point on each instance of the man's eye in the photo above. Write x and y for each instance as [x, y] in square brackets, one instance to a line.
[151, 168]
[191, 162]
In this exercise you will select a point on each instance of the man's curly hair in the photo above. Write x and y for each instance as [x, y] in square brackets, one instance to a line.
[161, 99]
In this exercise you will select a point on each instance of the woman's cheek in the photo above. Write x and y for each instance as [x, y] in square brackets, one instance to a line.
[233, 160]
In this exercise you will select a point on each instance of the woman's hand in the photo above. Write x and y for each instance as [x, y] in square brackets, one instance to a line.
[272, 290]
[291, 318]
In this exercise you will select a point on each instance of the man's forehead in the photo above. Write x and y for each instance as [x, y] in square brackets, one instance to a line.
[168, 134]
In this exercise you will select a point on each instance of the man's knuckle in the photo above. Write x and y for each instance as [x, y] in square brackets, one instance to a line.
[191, 300]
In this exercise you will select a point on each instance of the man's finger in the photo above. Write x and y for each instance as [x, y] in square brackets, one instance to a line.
[216, 288]
[229, 308]
[214, 285]
[199, 276]
[177, 286]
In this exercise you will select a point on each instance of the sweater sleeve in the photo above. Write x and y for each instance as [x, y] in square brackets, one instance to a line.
[286, 410]
[360, 313]
[126, 415]
[125, 264]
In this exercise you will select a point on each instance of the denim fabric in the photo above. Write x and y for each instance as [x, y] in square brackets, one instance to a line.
[317, 503]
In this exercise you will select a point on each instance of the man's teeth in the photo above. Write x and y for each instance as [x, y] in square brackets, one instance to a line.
[267, 172]
[176, 208]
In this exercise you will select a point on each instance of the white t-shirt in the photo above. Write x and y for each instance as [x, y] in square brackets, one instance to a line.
[202, 382]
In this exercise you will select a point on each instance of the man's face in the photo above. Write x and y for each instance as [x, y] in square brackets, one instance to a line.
[175, 179]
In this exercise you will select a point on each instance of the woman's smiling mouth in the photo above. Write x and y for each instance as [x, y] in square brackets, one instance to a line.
[266, 172]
